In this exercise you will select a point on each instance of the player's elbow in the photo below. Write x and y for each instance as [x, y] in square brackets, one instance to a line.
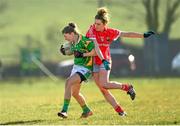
[94, 53]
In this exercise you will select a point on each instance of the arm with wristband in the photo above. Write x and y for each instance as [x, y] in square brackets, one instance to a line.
[100, 55]
[97, 51]
[136, 35]
[78, 54]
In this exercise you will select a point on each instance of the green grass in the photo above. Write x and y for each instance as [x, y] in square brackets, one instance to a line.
[37, 101]
[34, 17]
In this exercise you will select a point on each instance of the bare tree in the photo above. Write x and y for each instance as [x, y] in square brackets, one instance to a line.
[171, 15]
[3, 7]
[156, 48]
[152, 14]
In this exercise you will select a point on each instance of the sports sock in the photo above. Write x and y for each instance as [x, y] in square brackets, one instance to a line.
[85, 108]
[65, 105]
[118, 109]
[125, 87]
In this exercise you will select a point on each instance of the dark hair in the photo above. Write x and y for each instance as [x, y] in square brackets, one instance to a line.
[70, 28]
[102, 14]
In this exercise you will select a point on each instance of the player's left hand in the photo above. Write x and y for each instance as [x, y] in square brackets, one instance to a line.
[106, 64]
[149, 33]
[78, 54]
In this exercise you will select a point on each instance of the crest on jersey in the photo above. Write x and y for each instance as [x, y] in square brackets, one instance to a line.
[108, 39]
[102, 39]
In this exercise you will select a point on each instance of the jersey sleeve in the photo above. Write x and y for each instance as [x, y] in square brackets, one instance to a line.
[90, 33]
[114, 34]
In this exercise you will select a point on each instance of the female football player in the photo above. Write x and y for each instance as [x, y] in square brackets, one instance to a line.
[103, 36]
[81, 71]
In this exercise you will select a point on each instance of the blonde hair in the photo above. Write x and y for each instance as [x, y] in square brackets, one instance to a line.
[102, 14]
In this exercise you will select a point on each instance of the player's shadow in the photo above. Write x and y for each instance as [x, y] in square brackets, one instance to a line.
[22, 122]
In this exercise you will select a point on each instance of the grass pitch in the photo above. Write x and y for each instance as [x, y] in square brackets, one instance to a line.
[37, 101]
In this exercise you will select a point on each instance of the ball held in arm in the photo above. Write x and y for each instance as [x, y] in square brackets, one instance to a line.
[65, 49]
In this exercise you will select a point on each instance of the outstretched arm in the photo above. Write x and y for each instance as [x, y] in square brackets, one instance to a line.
[136, 34]
[132, 34]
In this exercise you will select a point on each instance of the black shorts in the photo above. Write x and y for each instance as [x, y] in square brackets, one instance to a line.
[83, 78]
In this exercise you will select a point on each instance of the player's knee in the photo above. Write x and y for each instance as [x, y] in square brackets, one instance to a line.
[105, 85]
[69, 82]
[75, 94]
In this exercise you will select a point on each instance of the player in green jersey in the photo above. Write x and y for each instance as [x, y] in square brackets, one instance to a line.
[81, 70]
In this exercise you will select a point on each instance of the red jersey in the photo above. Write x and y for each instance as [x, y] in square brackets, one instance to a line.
[104, 39]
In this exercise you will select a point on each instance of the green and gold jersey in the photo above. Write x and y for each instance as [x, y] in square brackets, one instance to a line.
[83, 45]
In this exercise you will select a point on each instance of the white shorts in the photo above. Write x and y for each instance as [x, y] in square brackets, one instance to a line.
[80, 69]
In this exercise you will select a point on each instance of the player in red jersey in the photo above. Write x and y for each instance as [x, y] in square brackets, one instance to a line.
[103, 36]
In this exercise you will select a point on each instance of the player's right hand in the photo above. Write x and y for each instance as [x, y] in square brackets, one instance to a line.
[106, 64]
[62, 50]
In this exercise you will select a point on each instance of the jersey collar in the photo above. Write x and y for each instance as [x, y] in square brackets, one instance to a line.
[105, 28]
[79, 39]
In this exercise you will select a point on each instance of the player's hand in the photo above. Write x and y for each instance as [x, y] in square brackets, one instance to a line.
[106, 64]
[149, 33]
[78, 54]
[62, 50]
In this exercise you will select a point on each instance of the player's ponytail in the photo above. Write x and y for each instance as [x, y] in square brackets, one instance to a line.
[70, 28]
[102, 14]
